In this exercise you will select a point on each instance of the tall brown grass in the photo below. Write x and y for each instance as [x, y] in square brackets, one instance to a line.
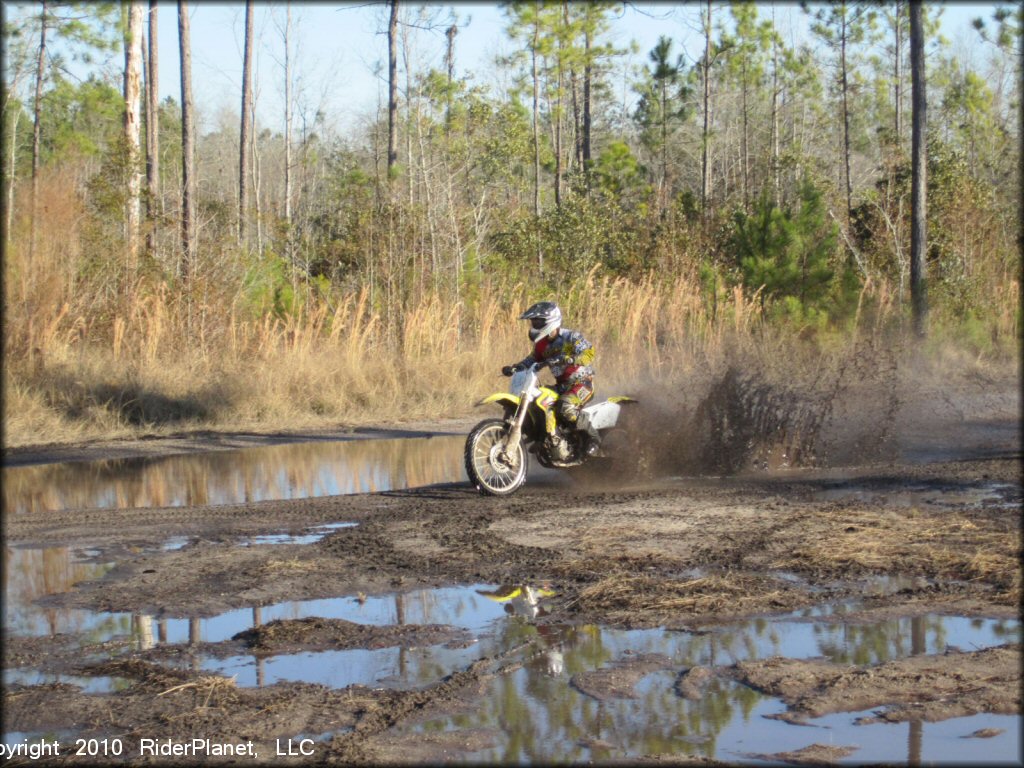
[93, 352]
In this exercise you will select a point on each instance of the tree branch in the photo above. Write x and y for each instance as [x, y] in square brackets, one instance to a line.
[856, 254]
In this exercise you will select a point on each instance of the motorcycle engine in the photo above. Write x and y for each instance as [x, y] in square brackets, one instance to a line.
[559, 448]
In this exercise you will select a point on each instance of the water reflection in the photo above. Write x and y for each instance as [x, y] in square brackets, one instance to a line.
[531, 706]
[312, 535]
[830, 630]
[536, 716]
[520, 600]
[293, 471]
[541, 718]
[907, 496]
[30, 574]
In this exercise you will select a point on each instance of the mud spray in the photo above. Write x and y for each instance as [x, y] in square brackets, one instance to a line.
[772, 406]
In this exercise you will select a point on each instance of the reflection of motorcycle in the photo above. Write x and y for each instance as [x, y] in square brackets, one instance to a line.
[520, 601]
[527, 602]
[496, 449]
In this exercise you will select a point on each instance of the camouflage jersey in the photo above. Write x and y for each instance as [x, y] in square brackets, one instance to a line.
[569, 356]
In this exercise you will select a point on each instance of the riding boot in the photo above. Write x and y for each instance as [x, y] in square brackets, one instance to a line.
[591, 444]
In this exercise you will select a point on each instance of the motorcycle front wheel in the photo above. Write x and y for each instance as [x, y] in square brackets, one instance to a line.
[488, 470]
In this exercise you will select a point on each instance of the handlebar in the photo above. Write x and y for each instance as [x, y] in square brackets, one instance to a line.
[536, 367]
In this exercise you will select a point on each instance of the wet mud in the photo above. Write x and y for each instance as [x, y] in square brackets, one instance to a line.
[929, 687]
[685, 556]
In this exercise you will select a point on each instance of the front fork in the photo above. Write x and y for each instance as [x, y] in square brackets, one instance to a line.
[515, 433]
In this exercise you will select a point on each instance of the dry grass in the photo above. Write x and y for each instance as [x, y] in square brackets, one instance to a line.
[622, 598]
[138, 373]
[294, 564]
[945, 546]
[206, 685]
[91, 351]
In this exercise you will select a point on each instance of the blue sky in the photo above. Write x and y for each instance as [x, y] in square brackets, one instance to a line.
[342, 50]
[338, 46]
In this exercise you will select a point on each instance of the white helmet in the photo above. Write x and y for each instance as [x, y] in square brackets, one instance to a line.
[544, 317]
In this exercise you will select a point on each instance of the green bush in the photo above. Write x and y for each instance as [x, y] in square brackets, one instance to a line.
[786, 254]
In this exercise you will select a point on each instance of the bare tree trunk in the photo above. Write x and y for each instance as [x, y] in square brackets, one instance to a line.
[536, 133]
[37, 129]
[844, 33]
[559, 170]
[188, 153]
[428, 202]
[288, 133]
[244, 159]
[897, 75]
[411, 116]
[132, 130]
[449, 62]
[705, 168]
[9, 213]
[663, 180]
[919, 173]
[587, 116]
[152, 132]
[392, 90]
[560, 110]
[577, 119]
[776, 186]
[257, 178]
[744, 142]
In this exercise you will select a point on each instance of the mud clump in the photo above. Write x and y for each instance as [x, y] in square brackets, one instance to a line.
[815, 754]
[316, 634]
[914, 688]
[627, 600]
[691, 682]
[618, 680]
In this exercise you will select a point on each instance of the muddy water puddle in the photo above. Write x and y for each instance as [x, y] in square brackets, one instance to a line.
[534, 708]
[533, 719]
[330, 468]
[924, 495]
[279, 472]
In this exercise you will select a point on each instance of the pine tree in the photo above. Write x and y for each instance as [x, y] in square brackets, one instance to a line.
[843, 26]
[83, 26]
[662, 107]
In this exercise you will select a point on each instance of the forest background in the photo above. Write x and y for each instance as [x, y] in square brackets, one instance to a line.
[739, 188]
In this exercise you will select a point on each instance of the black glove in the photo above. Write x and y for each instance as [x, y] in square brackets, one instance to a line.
[508, 370]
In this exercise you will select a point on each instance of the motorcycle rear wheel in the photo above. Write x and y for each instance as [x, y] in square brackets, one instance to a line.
[492, 475]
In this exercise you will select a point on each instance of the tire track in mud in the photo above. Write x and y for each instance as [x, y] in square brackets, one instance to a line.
[97, 526]
[735, 551]
[466, 550]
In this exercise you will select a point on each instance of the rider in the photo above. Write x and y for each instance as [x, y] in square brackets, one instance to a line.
[570, 357]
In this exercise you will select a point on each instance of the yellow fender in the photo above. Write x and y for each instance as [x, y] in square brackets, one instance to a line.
[622, 399]
[506, 398]
[501, 397]
[504, 594]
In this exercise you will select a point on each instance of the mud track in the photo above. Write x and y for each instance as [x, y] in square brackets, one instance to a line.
[677, 553]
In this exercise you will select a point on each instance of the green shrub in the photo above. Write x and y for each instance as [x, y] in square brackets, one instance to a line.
[787, 254]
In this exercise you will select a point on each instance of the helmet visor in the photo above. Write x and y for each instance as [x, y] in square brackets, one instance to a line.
[538, 322]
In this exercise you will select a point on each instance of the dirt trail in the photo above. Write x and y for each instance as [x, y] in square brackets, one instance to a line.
[678, 553]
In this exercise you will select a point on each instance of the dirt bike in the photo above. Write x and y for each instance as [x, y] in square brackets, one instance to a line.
[497, 450]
